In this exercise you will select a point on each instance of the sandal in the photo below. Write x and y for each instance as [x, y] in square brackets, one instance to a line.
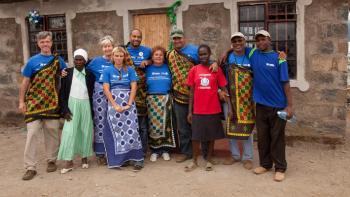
[209, 166]
[191, 166]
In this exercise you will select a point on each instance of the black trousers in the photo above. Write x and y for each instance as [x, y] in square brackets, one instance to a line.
[271, 138]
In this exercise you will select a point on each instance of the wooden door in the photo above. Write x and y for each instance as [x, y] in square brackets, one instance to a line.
[155, 29]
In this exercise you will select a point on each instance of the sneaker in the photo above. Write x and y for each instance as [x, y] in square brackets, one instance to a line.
[229, 161]
[247, 164]
[279, 176]
[260, 170]
[166, 156]
[51, 167]
[153, 157]
[29, 175]
[181, 158]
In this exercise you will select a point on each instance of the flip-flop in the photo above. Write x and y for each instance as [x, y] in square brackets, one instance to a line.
[209, 166]
[191, 166]
[65, 170]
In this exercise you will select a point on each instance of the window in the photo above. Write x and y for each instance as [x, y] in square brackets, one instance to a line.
[277, 17]
[57, 25]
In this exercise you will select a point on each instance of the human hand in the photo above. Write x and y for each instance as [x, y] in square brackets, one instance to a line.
[189, 118]
[68, 116]
[22, 107]
[289, 111]
[118, 108]
[144, 63]
[64, 73]
[222, 95]
[214, 67]
[282, 55]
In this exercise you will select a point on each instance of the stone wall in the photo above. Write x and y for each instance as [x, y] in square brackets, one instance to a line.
[89, 27]
[208, 24]
[321, 110]
[10, 66]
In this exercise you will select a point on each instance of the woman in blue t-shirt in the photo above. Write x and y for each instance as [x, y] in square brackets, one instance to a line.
[122, 141]
[158, 82]
[96, 66]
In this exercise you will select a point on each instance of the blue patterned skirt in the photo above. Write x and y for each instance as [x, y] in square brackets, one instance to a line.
[100, 118]
[122, 142]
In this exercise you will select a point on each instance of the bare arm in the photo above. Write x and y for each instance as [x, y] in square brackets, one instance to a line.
[22, 91]
[106, 90]
[228, 101]
[190, 105]
[288, 93]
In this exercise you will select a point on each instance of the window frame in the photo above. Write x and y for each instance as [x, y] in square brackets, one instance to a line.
[268, 21]
[63, 51]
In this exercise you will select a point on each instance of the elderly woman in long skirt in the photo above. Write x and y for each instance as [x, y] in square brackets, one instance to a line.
[96, 66]
[122, 141]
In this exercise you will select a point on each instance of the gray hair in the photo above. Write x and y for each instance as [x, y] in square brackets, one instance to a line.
[106, 40]
[43, 35]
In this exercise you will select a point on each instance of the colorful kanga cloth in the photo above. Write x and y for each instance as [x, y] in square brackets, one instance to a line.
[141, 92]
[122, 141]
[179, 66]
[241, 91]
[42, 98]
[100, 105]
[160, 129]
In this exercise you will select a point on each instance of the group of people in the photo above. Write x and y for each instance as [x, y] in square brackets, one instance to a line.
[134, 98]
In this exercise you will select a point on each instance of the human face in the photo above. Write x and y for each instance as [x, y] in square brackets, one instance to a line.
[118, 58]
[204, 56]
[179, 42]
[238, 44]
[263, 43]
[158, 58]
[79, 62]
[45, 45]
[135, 38]
[107, 49]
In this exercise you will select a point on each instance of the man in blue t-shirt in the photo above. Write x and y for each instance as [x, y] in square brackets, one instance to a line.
[271, 92]
[140, 56]
[46, 119]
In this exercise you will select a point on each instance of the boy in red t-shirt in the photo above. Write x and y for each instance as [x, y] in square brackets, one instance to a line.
[204, 106]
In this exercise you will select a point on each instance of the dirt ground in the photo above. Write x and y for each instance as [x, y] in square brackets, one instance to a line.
[313, 170]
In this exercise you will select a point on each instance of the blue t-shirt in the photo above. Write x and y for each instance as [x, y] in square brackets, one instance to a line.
[158, 79]
[97, 65]
[242, 60]
[191, 51]
[36, 62]
[270, 75]
[119, 78]
[139, 54]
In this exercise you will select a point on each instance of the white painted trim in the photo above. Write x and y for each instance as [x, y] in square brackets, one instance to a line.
[300, 81]
[21, 20]
[69, 17]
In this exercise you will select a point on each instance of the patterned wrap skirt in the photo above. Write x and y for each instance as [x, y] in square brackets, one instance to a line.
[122, 141]
[100, 118]
[161, 133]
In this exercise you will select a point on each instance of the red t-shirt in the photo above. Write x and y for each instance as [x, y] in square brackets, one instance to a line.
[206, 84]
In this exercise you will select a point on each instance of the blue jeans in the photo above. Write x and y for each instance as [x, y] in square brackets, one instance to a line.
[247, 149]
[247, 145]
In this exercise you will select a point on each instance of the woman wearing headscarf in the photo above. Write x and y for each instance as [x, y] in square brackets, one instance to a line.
[76, 104]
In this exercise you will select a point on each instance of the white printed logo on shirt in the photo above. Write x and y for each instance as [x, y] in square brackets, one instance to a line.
[270, 65]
